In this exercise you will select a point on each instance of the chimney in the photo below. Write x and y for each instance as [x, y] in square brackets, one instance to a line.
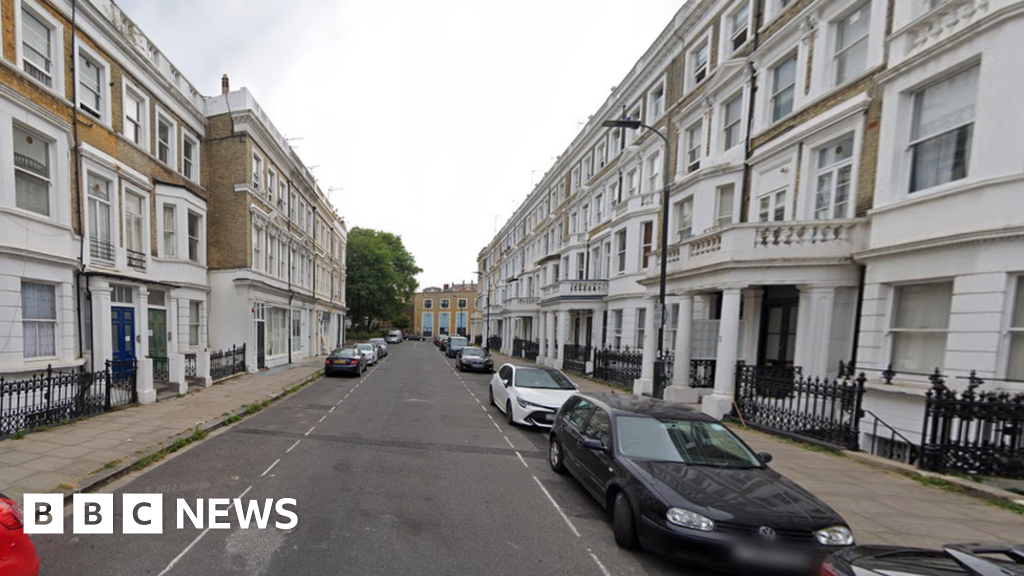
[225, 86]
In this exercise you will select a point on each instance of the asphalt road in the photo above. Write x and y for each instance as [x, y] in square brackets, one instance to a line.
[406, 470]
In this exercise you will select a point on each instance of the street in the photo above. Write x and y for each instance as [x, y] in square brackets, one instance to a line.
[406, 470]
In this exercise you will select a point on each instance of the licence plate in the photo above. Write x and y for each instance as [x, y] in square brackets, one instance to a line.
[770, 556]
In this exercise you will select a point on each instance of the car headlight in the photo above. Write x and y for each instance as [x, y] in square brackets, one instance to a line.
[527, 404]
[835, 536]
[688, 519]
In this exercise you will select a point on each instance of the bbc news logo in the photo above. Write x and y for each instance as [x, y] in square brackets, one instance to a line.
[144, 513]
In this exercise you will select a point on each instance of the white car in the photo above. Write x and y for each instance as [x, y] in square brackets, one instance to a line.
[530, 395]
[369, 351]
[383, 345]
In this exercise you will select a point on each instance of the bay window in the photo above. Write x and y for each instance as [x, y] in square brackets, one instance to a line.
[101, 246]
[170, 232]
[193, 237]
[724, 204]
[733, 114]
[38, 320]
[943, 126]
[685, 211]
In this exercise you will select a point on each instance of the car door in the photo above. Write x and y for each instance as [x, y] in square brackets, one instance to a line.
[500, 390]
[574, 423]
[596, 465]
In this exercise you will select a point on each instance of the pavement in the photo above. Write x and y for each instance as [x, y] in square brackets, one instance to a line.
[77, 456]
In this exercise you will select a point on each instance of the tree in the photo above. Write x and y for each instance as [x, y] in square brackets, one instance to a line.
[402, 321]
[381, 276]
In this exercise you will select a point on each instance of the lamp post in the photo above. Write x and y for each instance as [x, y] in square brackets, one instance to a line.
[634, 125]
[487, 323]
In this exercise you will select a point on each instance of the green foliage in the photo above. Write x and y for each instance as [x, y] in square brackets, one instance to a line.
[402, 321]
[380, 277]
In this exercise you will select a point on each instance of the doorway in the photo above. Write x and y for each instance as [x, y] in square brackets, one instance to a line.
[122, 322]
[779, 316]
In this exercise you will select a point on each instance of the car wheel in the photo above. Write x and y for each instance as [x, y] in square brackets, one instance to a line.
[623, 522]
[555, 456]
[508, 413]
[490, 395]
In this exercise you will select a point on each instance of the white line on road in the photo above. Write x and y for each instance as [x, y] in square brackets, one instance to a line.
[520, 457]
[244, 493]
[324, 416]
[293, 446]
[271, 468]
[333, 407]
[310, 430]
[557, 507]
[509, 442]
[599, 565]
[183, 552]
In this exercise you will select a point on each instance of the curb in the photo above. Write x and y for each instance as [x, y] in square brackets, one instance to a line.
[99, 479]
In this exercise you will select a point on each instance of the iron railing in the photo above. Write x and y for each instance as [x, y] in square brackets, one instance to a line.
[494, 343]
[702, 373]
[161, 368]
[888, 442]
[54, 397]
[101, 249]
[816, 409]
[527, 349]
[973, 432]
[618, 367]
[575, 357]
[190, 365]
[136, 259]
[224, 363]
[664, 369]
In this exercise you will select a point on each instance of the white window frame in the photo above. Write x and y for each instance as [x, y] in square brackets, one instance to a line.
[833, 170]
[914, 141]
[646, 249]
[654, 179]
[836, 52]
[729, 216]
[621, 241]
[195, 160]
[602, 155]
[632, 179]
[258, 170]
[774, 9]
[728, 24]
[112, 203]
[56, 45]
[129, 90]
[636, 112]
[195, 322]
[737, 123]
[172, 139]
[693, 161]
[774, 205]
[258, 256]
[1014, 330]
[775, 92]
[697, 72]
[131, 191]
[200, 238]
[51, 158]
[656, 101]
[55, 321]
[684, 218]
[168, 237]
[893, 331]
[271, 184]
[103, 114]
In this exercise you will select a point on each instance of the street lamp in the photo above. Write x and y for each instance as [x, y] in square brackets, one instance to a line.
[487, 324]
[634, 125]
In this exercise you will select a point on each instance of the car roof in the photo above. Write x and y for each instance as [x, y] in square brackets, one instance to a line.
[631, 405]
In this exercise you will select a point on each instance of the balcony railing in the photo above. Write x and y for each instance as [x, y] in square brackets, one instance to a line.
[824, 239]
[938, 24]
[101, 250]
[136, 260]
[522, 304]
[581, 289]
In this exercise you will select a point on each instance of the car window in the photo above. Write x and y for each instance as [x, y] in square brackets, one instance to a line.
[538, 378]
[693, 442]
[599, 427]
[505, 373]
[473, 352]
[459, 342]
[579, 414]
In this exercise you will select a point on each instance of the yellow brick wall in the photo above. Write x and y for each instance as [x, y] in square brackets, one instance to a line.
[229, 233]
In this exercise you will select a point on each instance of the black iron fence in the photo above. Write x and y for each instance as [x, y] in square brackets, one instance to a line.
[527, 349]
[53, 397]
[494, 343]
[618, 367]
[136, 259]
[973, 432]
[817, 409]
[575, 357]
[702, 373]
[224, 363]
[190, 365]
[664, 369]
[161, 368]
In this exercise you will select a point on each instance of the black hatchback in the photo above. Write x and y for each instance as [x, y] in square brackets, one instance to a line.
[680, 483]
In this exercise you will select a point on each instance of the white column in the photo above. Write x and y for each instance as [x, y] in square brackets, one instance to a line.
[563, 334]
[645, 383]
[720, 402]
[598, 328]
[818, 331]
[680, 390]
[102, 349]
[203, 368]
[144, 375]
[753, 297]
[802, 355]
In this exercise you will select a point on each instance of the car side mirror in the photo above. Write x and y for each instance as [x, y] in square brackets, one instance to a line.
[594, 444]
[507, 383]
[765, 457]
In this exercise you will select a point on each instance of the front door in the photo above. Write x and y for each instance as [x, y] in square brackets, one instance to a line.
[261, 340]
[122, 330]
[778, 327]
[157, 332]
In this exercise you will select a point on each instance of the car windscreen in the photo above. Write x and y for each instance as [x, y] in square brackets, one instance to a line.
[473, 352]
[536, 378]
[365, 346]
[459, 341]
[345, 353]
[693, 442]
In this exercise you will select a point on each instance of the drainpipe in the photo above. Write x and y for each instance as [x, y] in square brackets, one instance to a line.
[750, 107]
[856, 319]
[78, 184]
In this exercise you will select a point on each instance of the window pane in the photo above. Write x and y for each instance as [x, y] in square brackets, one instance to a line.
[918, 351]
[923, 306]
[945, 105]
[1015, 369]
[38, 302]
[941, 159]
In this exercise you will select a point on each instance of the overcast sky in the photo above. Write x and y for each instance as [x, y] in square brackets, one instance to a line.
[431, 119]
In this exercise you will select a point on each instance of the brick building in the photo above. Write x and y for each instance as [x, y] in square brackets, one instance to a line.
[445, 310]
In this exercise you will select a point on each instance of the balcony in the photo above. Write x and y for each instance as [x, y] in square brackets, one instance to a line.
[136, 259]
[826, 240]
[938, 24]
[522, 304]
[575, 290]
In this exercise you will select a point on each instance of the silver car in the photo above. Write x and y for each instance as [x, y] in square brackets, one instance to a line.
[369, 351]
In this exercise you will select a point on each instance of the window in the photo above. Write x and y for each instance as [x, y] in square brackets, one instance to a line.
[1015, 366]
[170, 232]
[461, 303]
[783, 88]
[271, 183]
[631, 178]
[693, 146]
[91, 85]
[700, 63]
[100, 246]
[257, 171]
[942, 130]
[620, 239]
[602, 154]
[724, 201]
[189, 157]
[271, 256]
[572, 223]
[919, 326]
[635, 115]
[428, 304]
[588, 169]
[296, 330]
[282, 194]
[739, 21]
[616, 140]
[193, 322]
[641, 320]
[31, 172]
[38, 320]
[771, 207]
[257, 249]
[685, 211]
[164, 137]
[733, 114]
[658, 101]
[607, 259]
[833, 173]
[40, 42]
[193, 237]
[577, 416]
[575, 179]
[134, 116]
[647, 233]
[134, 223]
[581, 266]
[617, 325]
[598, 205]
[120, 294]
[654, 172]
[444, 304]
[444, 323]
[852, 43]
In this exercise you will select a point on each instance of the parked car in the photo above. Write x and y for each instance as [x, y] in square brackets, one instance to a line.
[442, 342]
[415, 337]
[381, 344]
[471, 358]
[394, 337]
[17, 553]
[345, 361]
[530, 395]
[456, 344]
[680, 483]
[369, 352]
[952, 560]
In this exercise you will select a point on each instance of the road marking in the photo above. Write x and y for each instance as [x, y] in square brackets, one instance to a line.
[509, 441]
[557, 507]
[599, 565]
[484, 408]
[293, 446]
[271, 468]
[520, 457]
[310, 430]
[333, 407]
[245, 492]
[324, 416]
[183, 552]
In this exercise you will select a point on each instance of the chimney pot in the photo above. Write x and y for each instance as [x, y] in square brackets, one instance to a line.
[225, 85]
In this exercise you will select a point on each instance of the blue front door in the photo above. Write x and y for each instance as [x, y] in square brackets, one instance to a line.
[122, 330]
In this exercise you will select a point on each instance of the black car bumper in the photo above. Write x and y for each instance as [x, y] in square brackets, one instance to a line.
[342, 369]
[478, 367]
[725, 552]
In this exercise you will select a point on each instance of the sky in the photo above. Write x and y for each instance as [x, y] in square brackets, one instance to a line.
[430, 119]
